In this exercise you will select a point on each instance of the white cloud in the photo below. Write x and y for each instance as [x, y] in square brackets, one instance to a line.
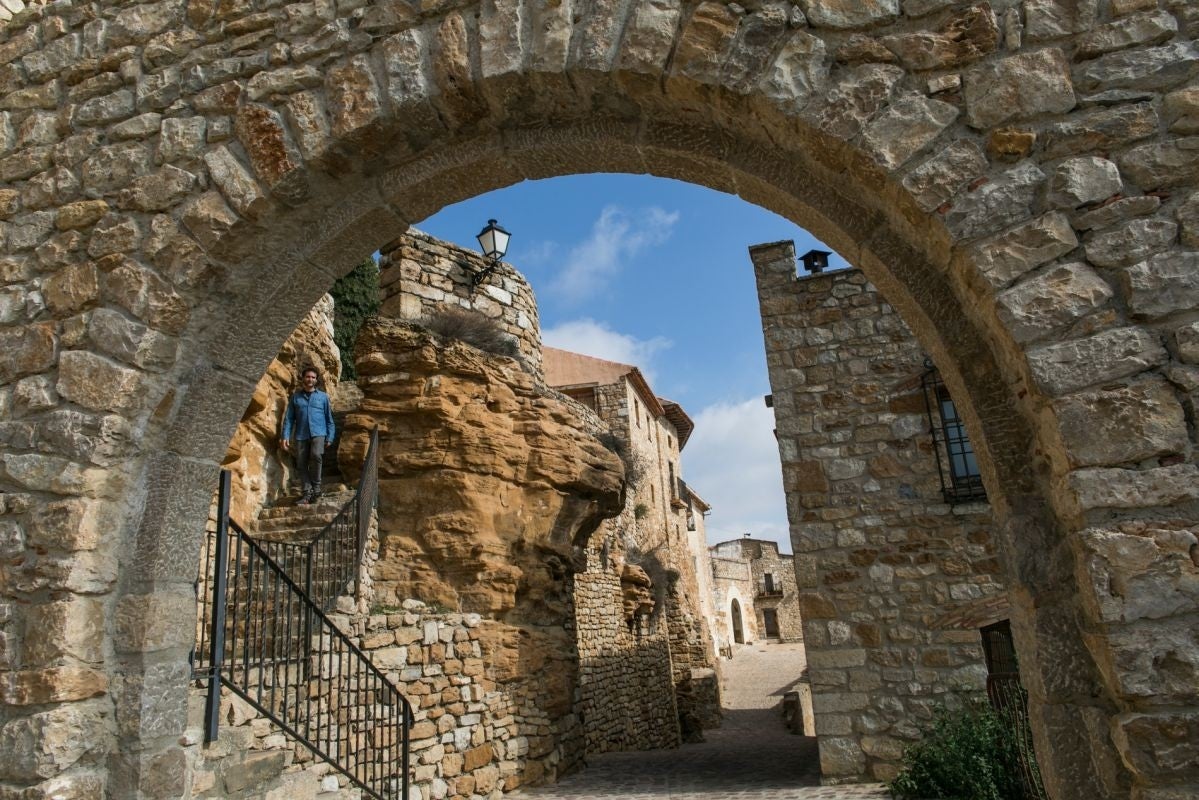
[596, 339]
[732, 461]
[615, 237]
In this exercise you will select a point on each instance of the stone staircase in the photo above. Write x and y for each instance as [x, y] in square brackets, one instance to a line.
[287, 522]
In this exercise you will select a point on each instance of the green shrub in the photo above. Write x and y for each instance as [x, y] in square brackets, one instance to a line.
[968, 754]
[355, 297]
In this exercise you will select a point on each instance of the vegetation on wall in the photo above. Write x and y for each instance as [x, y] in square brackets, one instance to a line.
[355, 298]
[473, 328]
[969, 752]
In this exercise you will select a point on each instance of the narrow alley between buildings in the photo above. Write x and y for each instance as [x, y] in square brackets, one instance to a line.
[752, 756]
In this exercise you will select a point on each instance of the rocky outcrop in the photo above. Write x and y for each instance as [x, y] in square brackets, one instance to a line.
[259, 468]
[489, 487]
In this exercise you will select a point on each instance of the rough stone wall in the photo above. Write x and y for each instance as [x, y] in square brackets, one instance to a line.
[628, 697]
[202, 173]
[420, 275]
[879, 553]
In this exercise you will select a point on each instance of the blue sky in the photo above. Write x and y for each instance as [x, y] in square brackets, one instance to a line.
[656, 273]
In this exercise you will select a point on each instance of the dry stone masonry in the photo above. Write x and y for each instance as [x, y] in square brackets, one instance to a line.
[181, 181]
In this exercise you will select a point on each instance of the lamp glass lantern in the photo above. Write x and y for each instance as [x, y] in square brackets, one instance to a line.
[493, 240]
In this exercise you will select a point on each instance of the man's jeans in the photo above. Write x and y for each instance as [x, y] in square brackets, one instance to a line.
[310, 455]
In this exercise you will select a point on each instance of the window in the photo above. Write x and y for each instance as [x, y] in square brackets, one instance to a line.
[637, 411]
[768, 582]
[961, 481]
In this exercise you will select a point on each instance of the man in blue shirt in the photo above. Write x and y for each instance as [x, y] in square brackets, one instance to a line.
[310, 417]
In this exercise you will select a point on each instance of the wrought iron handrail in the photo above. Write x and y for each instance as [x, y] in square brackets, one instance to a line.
[264, 635]
[270, 643]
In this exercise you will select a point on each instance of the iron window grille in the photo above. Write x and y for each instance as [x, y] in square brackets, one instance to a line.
[961, 481]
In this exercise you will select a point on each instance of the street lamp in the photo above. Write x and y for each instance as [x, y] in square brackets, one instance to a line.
[493, 241]
[815, 261]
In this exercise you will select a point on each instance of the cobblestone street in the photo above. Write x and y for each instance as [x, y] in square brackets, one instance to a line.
[750, 757]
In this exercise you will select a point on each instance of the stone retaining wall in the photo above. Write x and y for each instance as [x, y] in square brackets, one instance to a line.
[628, 698]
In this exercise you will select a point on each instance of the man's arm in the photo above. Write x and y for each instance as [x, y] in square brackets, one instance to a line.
[288, 418]
[329, 418]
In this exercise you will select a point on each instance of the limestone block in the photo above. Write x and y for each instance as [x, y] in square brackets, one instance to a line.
[75, 524]
[1186, 339]
[114, 234]
[151, 622]
[1052, 301]
[28, 350]
[106, 109]
[1152, 27]
[1153, 663]
[1119, 211]
[114, 166]
[1117, 353]
[115, 335]
[1078, 181]
[95, 382]
[52, 685]
[181, 139]
[209, 219]
[757, 42]
[1142, 573]
[145, 295]
[859, 94]
[964, 38]
[1050, 19]
[798, 72]
[46, 743]
[1143, 68]
[160, 191]
[1188, 218]
[235, 183]
[1018, 87]
[72, 626]
[906, 127]
[1129, 423]
[35, 393]
[704, 42]
[1006, 257]
[1130, 243]
[81, 214]
[1162, 285]
[1159, 747]
[838, 755]
[275, 159]
[941, 177]
[1100, 129]
[997, 204]
[72, 289]
[849, 14]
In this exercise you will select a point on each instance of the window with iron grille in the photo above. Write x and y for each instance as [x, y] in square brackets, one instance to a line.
[961, 481]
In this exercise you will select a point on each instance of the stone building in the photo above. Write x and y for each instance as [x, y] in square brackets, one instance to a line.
[755, 587]
[884, 548]
[659, 533]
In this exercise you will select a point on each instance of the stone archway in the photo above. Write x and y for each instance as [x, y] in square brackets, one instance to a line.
[184, 180]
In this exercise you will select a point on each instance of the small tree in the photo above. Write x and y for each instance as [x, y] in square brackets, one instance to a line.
[355, 298]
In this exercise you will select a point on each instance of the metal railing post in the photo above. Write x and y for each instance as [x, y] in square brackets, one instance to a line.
[216, 655]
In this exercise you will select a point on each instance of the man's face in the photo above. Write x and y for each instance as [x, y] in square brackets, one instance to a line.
[309, 381]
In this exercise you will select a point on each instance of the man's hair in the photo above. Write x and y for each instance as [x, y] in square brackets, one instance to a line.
[313, 370]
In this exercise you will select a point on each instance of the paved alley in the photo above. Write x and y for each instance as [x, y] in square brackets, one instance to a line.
[750, 757]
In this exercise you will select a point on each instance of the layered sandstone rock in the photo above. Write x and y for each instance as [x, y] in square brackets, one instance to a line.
[487, 479]
[259, 468]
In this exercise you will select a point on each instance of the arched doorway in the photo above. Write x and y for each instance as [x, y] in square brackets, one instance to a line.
[276, 181]
[735, 615]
